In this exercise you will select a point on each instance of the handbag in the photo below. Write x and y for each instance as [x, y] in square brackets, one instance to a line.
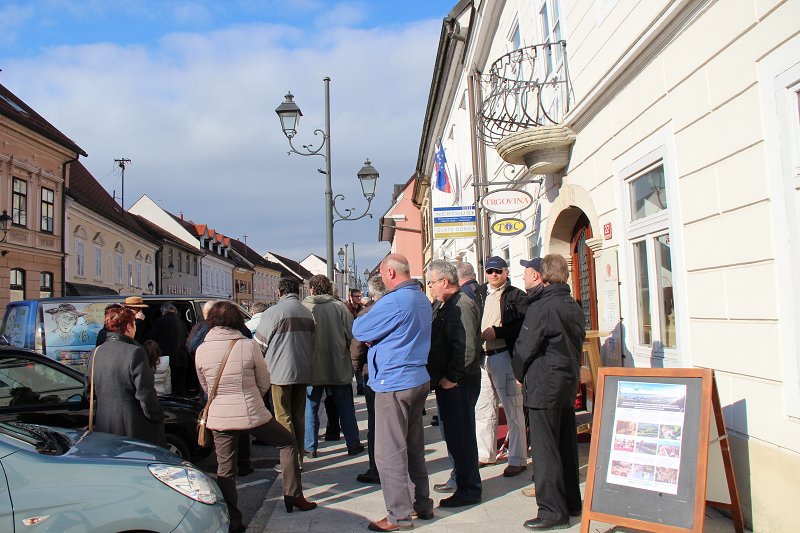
[204, 437]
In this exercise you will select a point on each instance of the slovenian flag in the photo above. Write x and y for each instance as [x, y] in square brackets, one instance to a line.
[440, 171]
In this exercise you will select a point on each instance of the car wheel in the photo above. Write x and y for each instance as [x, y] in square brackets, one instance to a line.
[176, 445]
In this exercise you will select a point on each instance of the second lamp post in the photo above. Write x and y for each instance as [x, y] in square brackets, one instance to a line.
[290, 114]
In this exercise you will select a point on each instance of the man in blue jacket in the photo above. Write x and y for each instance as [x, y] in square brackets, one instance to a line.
[398, 332]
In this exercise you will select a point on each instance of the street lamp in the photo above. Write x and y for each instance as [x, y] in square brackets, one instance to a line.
[289, 114]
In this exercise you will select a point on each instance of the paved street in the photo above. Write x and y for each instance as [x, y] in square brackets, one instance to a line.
[346, 505]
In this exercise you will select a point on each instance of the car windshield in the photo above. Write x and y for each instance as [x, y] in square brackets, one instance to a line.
[43, 439]
[26, 382]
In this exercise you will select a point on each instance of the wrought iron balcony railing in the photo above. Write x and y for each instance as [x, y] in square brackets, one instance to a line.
[523, 89]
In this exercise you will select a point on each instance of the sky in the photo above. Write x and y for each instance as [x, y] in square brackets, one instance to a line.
[187, 91]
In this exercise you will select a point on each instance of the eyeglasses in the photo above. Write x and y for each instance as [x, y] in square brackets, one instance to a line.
[432, 282]
[494, 270]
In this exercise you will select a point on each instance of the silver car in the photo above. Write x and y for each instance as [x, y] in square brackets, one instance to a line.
[64, 480]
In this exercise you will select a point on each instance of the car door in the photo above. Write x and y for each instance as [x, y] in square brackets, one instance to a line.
[39, 391]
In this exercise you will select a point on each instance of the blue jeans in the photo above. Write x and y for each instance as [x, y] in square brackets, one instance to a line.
[343, 397]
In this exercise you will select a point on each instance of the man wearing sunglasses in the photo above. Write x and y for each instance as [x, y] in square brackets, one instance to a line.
[502, 312]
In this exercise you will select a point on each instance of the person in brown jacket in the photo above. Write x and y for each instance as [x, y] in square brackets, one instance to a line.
[238, 407]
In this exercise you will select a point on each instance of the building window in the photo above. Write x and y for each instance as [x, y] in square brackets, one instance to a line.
[180, 262]
[139, 273]
[130, 274]
[46, 285]
[119, 268]
[19, 202]
[98, 263]
[48, 210]
[17, 284]
[80, 259]
[652, 259]
[195, 266]
[550, 22]
[169, 259]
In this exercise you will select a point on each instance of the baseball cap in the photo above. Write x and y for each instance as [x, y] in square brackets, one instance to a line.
[535, 263]
[495, 262]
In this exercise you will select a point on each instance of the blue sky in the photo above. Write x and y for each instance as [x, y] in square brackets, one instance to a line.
[187, 91]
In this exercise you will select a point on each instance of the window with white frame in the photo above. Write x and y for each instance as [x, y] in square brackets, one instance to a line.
[130, 274]
[98, 263]
[19, 202]
[48, 210]
[45, 285]
[16, 284]
[138, 272]
[80, 259]
[550, 27]
[650, 245]
[119, 268]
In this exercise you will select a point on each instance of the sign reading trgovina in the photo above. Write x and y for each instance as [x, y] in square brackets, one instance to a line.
[454, 222]
[507, 201]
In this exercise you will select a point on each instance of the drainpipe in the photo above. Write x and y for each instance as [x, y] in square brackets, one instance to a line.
[64, 166]
[473, 88]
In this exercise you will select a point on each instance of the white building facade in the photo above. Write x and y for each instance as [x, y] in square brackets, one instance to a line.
[676, 200]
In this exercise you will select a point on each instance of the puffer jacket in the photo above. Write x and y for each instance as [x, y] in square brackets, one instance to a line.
[245, 379]
[333, 331]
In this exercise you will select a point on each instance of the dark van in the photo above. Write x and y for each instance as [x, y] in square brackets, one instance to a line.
[65, 329]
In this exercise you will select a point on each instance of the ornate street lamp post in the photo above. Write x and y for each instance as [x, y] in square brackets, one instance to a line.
[289, 114]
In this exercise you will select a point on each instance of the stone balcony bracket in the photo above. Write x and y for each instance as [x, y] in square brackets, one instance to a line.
[542, 149]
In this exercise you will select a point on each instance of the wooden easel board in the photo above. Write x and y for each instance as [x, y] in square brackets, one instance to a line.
[648, 460]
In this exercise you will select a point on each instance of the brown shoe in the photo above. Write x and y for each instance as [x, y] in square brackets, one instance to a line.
[530, 492]
[481, 464]
[384, 525]
[514, 470]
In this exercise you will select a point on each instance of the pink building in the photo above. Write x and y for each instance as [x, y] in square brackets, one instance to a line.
[401, 226]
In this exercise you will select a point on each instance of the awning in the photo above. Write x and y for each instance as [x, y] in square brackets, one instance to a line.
[84, 289]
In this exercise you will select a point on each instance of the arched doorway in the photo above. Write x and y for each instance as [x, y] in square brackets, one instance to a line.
[584, 286]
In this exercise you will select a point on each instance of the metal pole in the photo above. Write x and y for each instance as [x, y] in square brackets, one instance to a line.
[328, 189]
[355, 270]
[346, 269]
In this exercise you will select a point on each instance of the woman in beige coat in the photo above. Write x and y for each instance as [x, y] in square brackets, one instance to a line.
[238, 407]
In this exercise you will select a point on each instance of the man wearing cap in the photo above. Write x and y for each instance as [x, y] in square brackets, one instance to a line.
[502, 312]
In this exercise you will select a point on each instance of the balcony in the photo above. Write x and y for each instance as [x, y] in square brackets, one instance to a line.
[526, 95]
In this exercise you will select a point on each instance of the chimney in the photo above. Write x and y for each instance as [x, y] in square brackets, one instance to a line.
[181, 215]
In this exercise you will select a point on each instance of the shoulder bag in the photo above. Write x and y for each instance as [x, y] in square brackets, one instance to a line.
[204, 438]
[91, 392]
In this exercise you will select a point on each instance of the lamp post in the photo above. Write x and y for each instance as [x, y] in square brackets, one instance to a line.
[289, 114]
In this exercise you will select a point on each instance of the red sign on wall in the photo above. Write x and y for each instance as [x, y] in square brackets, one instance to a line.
[607, 230]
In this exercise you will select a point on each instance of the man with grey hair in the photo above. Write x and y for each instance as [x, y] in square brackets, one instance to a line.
[547, 358]
[466, 278]
[398, 332]
[358, 353]
[453, 364]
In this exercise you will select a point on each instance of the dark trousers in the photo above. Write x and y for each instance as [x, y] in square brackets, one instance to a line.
[333, 429]
[243, 453]
[400, 452]
[178, 376]
[226, 444]
[554, 446]
[369, 397]
[457, 413]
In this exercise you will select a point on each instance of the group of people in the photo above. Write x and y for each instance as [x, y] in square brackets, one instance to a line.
[475, 347]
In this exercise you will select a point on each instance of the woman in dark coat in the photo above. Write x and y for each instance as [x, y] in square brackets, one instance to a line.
[125, 397]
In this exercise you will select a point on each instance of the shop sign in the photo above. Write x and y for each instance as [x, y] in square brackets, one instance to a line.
[507, 201]
[508, 226]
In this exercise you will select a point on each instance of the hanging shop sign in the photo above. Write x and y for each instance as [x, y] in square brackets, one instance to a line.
[508, 226]
[507, 201]
[454, 222]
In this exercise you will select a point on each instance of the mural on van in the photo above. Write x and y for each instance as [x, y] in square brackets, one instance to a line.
[71, 331]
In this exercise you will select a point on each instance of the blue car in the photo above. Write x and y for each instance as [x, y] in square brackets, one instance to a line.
[64, 480]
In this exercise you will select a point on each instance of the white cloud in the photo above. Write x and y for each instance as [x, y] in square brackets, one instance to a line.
[196, 117]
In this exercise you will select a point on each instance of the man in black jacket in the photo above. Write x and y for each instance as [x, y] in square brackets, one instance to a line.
[169, 331]
[547, 358]
[502, 309]
[453, 365]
